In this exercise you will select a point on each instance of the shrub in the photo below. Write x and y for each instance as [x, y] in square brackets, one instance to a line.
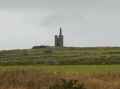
[67, 84]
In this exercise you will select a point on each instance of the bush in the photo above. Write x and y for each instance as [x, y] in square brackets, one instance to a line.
[67, 84]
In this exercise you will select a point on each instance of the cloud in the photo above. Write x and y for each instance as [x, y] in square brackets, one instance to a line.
[61, 18]
[52, 20]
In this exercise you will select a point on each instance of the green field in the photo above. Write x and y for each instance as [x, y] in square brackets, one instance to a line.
[66, 68]
[61, 56]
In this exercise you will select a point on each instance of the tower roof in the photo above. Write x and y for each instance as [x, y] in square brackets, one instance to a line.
[60, 31]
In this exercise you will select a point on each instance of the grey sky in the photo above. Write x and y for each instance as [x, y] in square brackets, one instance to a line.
[24, 23]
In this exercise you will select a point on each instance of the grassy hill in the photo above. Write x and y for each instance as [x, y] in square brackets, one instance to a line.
[61, 56]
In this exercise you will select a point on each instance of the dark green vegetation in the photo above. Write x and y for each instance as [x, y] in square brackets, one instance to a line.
[67, 84]
[61, 56]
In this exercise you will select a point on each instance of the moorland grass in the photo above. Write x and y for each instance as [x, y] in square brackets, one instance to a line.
[34, 79]
[61, 56]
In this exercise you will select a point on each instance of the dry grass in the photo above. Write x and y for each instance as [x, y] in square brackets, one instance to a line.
[29, 79]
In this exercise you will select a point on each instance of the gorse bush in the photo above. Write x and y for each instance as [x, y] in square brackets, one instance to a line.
[68, 84]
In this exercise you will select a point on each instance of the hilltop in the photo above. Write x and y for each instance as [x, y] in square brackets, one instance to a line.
[68, 55]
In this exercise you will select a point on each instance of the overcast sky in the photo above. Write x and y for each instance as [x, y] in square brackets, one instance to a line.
[24, 23]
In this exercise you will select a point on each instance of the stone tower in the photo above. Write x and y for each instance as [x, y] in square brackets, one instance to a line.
[59, 39]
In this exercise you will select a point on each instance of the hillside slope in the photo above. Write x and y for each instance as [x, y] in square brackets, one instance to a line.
[61, 56]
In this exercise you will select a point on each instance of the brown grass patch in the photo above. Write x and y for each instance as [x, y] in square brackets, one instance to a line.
[32, 79]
